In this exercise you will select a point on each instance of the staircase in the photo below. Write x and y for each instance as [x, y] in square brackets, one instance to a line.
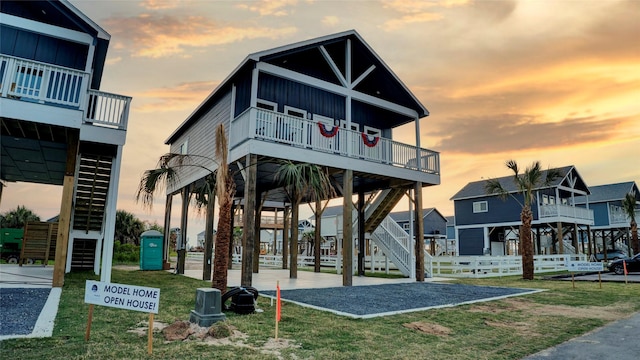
[91, 192]
[385, 201]
[390, 237]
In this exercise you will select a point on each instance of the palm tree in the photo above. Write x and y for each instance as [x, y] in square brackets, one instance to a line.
[532, 178]
[629, 206]
[17, 218]
[300, 180]
[167, 174]
[128, 228]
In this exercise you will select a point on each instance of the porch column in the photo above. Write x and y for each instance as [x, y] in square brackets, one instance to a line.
[182, 240]
[275, 233]
[574, 241]
[167, 233]
[208, 237]
[317, 237]
[249, 226]
[347, 229]
[66, 204]
[589, 241]
[257, 244]
[560, 241]
[419, 232]
[537, 243]
[110, 218]
[232, 244]
[285, 237]
[361, 223]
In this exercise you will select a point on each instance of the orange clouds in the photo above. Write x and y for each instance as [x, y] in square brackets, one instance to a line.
[183, 96]
[155, 36]
[416, 11]
[269, 7]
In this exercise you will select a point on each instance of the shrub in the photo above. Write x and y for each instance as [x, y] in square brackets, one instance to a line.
[125, 253]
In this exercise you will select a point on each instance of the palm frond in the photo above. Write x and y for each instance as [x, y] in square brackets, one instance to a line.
[629, 205]
[153, 180]
[493, 186]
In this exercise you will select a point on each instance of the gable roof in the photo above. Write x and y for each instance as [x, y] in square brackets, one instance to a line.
[401, 216]
[451, 220]
[477, 188]
[392, 88]
[609, 192]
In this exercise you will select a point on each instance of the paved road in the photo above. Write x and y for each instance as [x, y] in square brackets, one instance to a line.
[619, 340]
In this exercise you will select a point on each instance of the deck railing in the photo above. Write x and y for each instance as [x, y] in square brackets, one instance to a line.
[48, 84]
[281, 128]
[558, 210]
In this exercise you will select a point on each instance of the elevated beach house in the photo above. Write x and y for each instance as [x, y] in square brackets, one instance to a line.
[330, 101]
[611, 223]
[488, 225]
[59, 128]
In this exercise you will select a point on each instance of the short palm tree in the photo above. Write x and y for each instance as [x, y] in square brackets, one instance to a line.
[532, 178]
[300, 180]
[629, 206]
[17, 218]
[167, 174]
[128, 228]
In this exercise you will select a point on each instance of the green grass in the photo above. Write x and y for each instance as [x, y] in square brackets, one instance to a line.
[505, 329]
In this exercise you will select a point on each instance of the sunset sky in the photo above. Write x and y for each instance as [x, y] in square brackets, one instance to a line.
[555, 81]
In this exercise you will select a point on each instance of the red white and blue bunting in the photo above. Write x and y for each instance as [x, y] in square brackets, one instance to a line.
[370, 141]
[326, 132]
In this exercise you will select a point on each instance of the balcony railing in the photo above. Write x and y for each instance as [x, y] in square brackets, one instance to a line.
[277, 127]
[557, 210]
[620, 218]
[43, 83]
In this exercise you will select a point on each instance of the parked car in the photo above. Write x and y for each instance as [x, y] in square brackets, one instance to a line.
[633, 265]
[611, 255]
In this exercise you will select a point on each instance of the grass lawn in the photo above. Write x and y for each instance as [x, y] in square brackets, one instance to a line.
[506, 329]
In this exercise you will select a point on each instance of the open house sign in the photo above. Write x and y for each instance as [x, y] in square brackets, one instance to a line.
[129, 297]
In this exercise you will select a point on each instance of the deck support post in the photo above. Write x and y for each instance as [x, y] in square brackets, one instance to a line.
[182, 241]
[285, 237]
[167, 233]
[347, 229]
[258, 241]
[66, 205]
[249, 226]
[208, 237]
[419, 232]
[361, 235]
[560, 241]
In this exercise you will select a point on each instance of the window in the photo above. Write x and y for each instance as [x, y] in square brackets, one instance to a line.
[372, 131]
[480, 207]
[405, 226]
[323, 119]
[564, 201]
[354, 126]
[184, 147]
[267, 105]
[545, 199]
[295, 112]
[552, 200]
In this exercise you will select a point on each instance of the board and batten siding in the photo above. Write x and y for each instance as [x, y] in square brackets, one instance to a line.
[200, 139]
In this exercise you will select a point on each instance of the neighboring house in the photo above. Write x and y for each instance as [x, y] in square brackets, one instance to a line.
[487, 224]
[434, 228]
[58, 128]
[611, 223]
[452, 240]
[330, 101]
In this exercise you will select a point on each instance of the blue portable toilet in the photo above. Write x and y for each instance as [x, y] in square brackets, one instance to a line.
[151, 250]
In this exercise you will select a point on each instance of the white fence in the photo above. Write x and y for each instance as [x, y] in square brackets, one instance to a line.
[491, 266]
[440, 266]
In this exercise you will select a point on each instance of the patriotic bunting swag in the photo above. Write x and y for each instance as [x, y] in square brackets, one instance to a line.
[327, 133]
[370, 142]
